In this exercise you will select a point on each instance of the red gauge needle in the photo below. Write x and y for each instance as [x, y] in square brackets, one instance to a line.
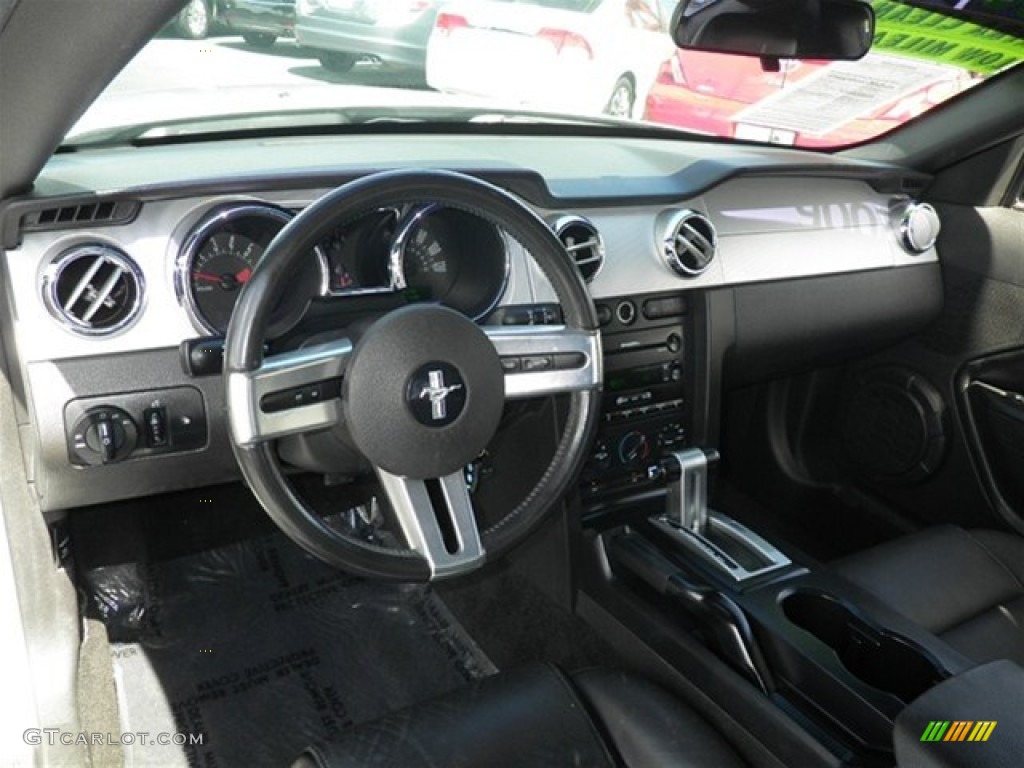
[207, 277]
[244, 275]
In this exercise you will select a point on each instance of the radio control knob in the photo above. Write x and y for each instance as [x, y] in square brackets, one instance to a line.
[625, 311]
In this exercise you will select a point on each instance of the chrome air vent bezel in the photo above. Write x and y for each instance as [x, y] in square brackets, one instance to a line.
[917, 227]
[120, 267]
[689, 243]
[588, 254]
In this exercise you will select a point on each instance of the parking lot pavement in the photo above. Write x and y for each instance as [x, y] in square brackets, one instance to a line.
[169, 63]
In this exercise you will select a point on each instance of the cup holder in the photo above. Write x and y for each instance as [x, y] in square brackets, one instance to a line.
[879, 658]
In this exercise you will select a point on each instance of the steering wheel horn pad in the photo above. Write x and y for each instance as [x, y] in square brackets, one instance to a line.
[423, 392]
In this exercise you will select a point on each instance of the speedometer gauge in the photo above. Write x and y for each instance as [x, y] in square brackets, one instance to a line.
[452, 257]
[219, 258]
[428, 269]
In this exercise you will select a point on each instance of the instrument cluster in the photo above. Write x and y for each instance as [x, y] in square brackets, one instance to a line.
[426, 252]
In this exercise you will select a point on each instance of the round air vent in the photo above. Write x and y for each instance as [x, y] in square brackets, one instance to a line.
[93, 289]
[689, 243]
[583, 243]
[918, 226]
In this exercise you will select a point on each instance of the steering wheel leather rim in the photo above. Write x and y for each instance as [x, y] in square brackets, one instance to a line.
[246, 334]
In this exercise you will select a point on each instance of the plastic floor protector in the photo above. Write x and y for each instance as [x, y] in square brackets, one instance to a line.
[259, 649]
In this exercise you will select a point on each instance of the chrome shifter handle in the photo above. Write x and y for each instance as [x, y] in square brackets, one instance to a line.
[687, 472]
[715, 539]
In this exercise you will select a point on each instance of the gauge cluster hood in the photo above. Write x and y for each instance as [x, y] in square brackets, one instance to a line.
[46, 84]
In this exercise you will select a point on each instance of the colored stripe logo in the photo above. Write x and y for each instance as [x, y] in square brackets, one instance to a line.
[958, 730]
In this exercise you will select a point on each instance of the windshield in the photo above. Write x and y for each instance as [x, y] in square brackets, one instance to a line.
[232, 66]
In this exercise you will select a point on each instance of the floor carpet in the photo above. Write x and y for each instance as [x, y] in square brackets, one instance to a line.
[259, 649]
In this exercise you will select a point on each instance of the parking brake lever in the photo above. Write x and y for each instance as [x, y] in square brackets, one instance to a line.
[717, 613]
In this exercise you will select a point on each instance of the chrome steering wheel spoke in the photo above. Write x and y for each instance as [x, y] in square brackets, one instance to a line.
[547, 360]
[288, 394]
[436, 518]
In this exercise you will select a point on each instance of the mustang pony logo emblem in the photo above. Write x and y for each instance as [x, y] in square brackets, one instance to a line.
[437, 393]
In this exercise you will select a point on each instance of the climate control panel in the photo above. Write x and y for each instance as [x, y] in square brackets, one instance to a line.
[624, 454]
[134, 425]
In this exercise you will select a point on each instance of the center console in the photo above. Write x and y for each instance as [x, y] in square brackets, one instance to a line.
[816, 650]
[797, 647]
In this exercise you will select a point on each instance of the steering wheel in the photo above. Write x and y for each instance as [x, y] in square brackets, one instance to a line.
[421, 392]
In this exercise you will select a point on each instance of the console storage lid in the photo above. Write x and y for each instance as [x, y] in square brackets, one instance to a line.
[987, 694]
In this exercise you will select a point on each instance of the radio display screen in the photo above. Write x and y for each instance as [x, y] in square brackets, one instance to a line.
[634, 378]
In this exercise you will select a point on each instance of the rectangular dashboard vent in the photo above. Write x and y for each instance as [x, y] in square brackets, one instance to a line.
[85, 214]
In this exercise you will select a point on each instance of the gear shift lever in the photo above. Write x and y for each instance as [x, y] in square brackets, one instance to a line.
[717, 540]
[687, 472]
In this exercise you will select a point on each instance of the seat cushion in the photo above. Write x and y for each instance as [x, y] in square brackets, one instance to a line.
[645, 725]
[965, 586]
[979, 705]
[535, 716]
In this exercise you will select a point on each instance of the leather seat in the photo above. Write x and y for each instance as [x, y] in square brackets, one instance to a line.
[967, 587]
[535, 716]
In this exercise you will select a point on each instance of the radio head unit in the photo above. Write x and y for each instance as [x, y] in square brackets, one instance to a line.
[646, 406]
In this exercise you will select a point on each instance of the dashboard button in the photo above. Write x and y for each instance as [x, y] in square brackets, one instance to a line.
[155, 422]
[517, 316]
[547, 314]
[535, 363]
[625, 311]
[511, 364]
[297, 397]
[669, 306]
[567, 360]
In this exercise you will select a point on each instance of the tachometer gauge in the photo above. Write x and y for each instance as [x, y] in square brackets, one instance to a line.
[221, 267]
[219, 258]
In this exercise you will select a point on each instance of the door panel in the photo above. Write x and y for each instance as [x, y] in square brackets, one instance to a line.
[978, 339]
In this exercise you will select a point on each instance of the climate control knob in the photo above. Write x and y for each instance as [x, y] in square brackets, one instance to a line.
[634, 448]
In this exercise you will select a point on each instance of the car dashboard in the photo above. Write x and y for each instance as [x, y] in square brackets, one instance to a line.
[704, 260]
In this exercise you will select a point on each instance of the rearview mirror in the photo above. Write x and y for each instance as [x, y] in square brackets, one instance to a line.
[776, 29]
